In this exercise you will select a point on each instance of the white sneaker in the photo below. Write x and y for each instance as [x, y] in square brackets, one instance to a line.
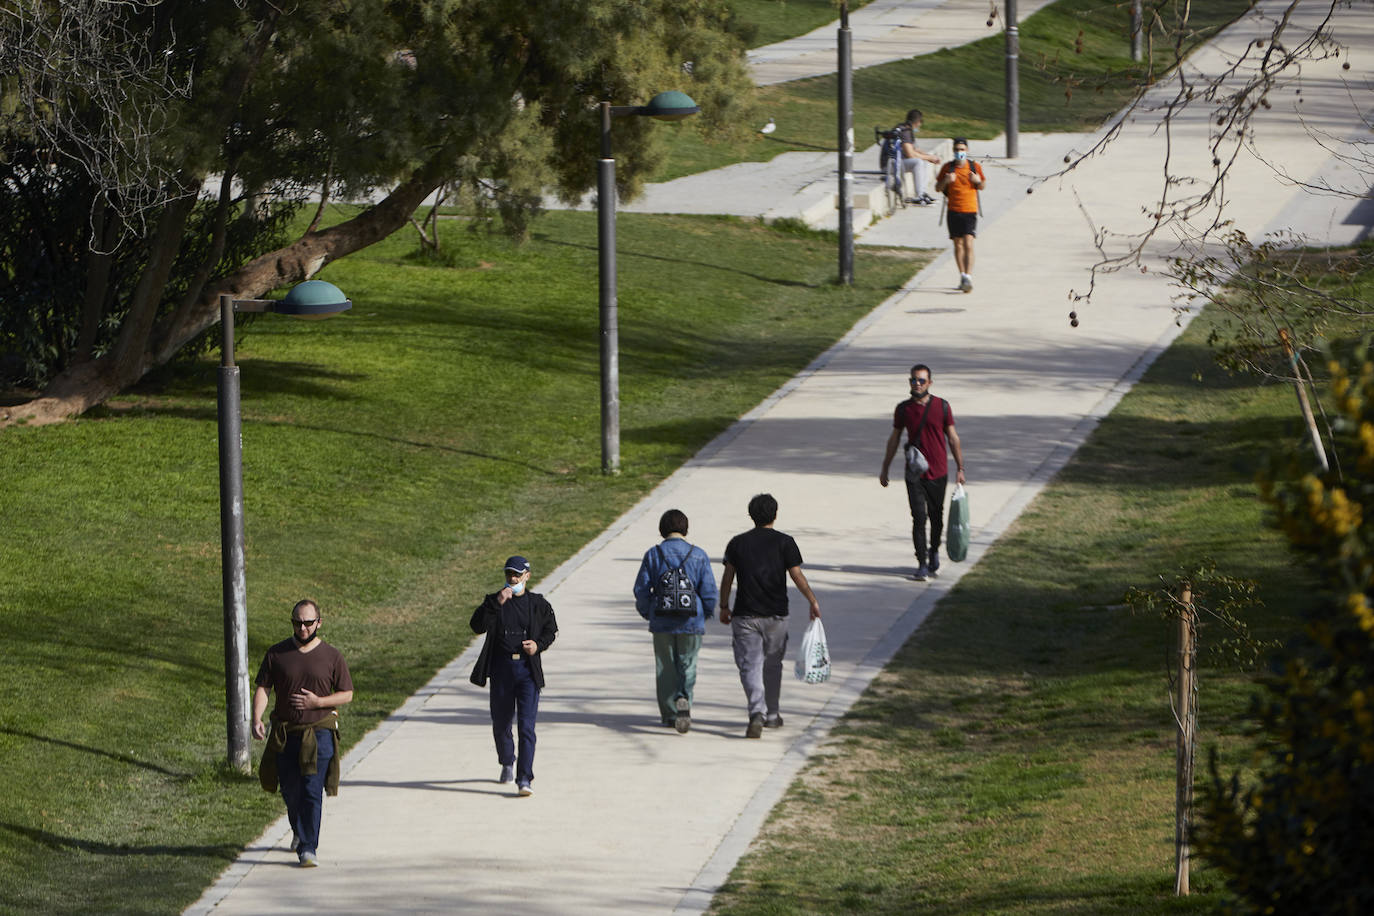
[525, 790]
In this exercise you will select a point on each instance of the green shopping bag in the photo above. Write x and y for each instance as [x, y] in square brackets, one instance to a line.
[956, 536]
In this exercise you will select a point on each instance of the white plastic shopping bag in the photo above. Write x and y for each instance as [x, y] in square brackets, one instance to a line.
[813, 662]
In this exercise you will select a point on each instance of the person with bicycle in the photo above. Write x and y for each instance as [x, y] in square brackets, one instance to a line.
[915, 160]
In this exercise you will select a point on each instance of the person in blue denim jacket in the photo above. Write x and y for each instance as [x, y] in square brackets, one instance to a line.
[676, 616]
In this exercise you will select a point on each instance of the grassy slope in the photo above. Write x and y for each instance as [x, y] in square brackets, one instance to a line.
[1018, 754]
[769, 21]
[392, 458]
[1075, 73]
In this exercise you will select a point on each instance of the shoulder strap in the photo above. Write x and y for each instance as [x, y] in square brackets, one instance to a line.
[664, 557]
[923, 418]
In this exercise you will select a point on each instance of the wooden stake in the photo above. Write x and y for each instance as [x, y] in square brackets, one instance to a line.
[1187, 731]
[1302, 400]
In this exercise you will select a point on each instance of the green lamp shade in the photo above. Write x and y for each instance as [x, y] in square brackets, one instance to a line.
[313, 299]
[671, 106]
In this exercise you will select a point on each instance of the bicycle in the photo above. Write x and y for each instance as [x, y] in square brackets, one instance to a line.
[890, 163]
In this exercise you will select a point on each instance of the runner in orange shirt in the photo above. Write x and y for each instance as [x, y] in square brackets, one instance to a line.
[960, 180]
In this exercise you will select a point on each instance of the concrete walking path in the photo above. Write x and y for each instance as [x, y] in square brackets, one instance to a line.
[882, 32]
[630, 817]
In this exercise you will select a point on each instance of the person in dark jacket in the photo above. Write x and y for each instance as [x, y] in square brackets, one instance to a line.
[519, 625]
[676, 611]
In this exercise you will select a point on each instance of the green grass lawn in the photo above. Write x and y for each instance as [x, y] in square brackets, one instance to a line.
[1017, 756]
[1075, 73]
[392, 458]
[769, 21]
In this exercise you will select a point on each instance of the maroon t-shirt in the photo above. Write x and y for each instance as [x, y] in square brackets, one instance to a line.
[286, 670]
[931, 436]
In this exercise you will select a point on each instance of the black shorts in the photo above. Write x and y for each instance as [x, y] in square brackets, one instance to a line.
[961, 223]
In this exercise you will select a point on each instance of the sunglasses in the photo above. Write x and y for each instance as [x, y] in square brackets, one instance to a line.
[920, 381]
[304, 623]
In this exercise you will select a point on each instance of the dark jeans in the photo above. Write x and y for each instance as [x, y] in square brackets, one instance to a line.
[304, 795]
[927, 499]
[514, 694]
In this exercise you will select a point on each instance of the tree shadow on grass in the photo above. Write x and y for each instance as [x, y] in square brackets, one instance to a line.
[624, 252]
[55, 841]
[112, 755]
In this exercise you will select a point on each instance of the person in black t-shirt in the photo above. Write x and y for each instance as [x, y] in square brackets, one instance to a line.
[520, 625]
[761, 560]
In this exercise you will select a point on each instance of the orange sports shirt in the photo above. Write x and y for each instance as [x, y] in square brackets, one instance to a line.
[962, 196]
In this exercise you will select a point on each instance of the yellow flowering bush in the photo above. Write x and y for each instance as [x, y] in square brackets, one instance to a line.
[1300, 839]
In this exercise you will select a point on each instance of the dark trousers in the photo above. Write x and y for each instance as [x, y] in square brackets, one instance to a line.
[514, 696]
[927, 499]
[304, 795]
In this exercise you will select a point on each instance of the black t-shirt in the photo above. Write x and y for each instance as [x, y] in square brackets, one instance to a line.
[515, 622]
[761, 559]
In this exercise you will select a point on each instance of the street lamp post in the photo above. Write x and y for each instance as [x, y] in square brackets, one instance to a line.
[1013, 81]
[844, 47]
[666, 106]
[311, 299]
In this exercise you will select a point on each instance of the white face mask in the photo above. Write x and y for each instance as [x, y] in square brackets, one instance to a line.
[961, 155]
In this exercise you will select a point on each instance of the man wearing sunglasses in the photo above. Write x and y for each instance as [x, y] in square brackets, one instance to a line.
[311, 681]
[929, 426]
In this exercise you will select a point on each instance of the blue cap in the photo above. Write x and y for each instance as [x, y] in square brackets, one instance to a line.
[518, 564]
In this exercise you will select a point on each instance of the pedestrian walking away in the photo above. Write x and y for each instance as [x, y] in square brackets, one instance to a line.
[311, 681]
[520, 626]
[761, 560]
[930, 436]
[960, 180]
[675, 591]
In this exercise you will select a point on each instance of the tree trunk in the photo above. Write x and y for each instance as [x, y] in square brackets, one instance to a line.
[305, 257]
[143, 346]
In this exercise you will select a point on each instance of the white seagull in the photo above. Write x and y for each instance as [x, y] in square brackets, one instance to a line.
[768, 128]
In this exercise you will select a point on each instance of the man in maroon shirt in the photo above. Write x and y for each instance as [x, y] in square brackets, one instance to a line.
[311, 680]
[929, 425]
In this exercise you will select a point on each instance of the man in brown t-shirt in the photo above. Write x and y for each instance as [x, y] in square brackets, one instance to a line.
[311, 680]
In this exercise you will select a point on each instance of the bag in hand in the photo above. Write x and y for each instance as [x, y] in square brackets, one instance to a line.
[813, 662]
[957, 534]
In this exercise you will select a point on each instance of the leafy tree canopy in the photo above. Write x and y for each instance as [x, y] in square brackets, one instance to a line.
[151, 148]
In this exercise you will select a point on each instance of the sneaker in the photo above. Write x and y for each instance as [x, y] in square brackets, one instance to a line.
[922, 573]
[507, 773]
[309, 860]
[934, 563]
[775, 722]
[966, 283]
[524, 790]
[683, 722]
[926, 199]
[755, 728]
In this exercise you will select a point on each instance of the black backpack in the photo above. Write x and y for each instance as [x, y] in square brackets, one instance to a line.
[674, 594]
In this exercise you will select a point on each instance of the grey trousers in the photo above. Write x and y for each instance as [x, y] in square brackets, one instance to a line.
[760, 643]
